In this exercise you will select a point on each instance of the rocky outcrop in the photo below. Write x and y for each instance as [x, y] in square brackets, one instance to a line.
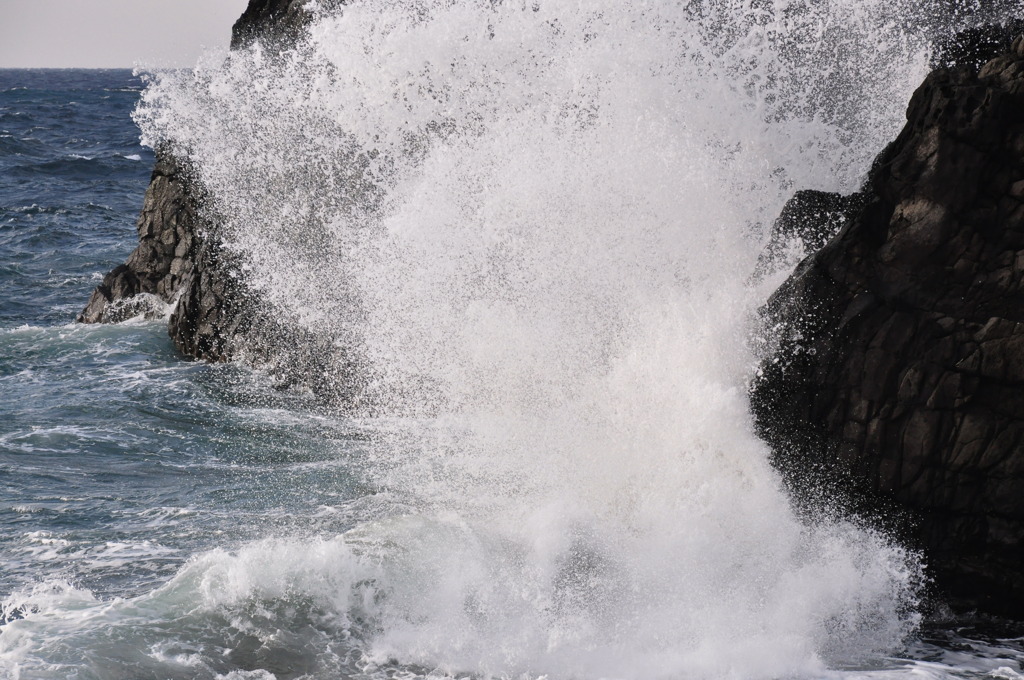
[808, 220]
[165, 257]
[277, 22]
[899, 376]
[179, 260]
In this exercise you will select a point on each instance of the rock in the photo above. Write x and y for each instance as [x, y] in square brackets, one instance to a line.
[278, 22]
[173, 239]
[976, 46]
[808, 221]
[898, 384]
[180, 261]
[180, 264]
[164, 258]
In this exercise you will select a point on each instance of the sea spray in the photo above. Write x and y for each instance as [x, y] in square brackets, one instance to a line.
[534, 224]
[305, 155]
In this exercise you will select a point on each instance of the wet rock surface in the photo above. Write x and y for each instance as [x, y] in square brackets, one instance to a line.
[974, 47]
[808, 221]
[899, 377]
[278, 22]
[179, 260]
[165, 257]
[181, 264]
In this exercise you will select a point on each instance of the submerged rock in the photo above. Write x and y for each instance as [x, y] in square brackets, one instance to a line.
[899, 377]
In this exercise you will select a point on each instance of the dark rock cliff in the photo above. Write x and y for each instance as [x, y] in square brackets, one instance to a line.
[166, 253]
[179, 260]
[278, 22]
[899, 380]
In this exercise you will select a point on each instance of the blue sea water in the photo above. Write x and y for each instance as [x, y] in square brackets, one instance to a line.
[119, 460]
[161, 518]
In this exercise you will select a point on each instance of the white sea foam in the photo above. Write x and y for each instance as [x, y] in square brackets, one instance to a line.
[534, 222]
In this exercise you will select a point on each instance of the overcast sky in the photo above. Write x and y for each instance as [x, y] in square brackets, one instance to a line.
[112, 33]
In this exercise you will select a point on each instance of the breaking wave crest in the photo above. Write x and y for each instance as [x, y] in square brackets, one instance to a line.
[534, 223]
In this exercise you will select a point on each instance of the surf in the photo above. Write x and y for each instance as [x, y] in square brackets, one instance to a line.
[534, 224]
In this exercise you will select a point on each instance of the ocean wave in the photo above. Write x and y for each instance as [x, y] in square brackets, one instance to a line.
[15, 146]
[346, 605]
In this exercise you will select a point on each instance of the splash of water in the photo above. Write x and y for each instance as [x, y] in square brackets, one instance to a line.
[534, 222]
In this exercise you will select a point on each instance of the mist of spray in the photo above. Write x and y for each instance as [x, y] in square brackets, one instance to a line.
[534, 222]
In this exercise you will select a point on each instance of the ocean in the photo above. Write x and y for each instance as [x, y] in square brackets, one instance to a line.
[553, 267]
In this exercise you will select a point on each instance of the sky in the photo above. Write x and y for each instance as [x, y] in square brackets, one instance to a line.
[112, 33]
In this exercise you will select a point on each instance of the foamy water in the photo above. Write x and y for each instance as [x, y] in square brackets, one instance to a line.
[534, 224]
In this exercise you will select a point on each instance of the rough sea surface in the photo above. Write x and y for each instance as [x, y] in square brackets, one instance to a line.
[119, 460]
[161, 518]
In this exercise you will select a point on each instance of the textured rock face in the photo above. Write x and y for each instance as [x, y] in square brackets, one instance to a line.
[165, 256]
[901, 366]
[276, 21]
[179, 260]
